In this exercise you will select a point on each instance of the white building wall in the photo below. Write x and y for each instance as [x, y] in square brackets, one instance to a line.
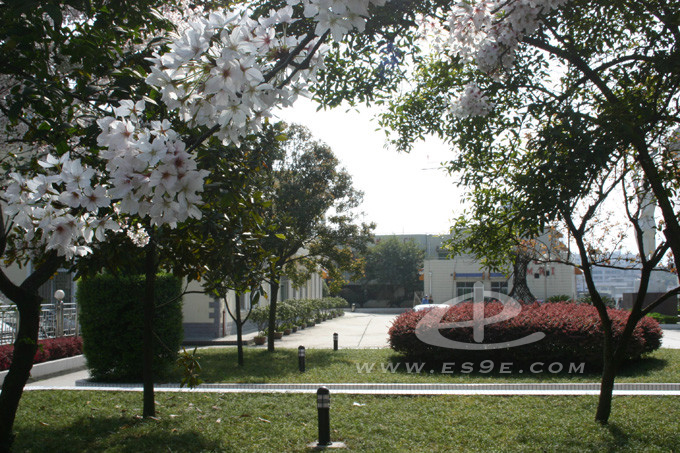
[207, 317]
[443, 278]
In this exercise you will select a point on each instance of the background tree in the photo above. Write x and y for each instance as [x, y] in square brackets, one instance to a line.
[395, 264]
[313, 212]
[557, 148]
[231, 234]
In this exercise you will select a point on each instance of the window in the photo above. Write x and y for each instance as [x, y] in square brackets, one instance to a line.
[499, 287]
[463, 288]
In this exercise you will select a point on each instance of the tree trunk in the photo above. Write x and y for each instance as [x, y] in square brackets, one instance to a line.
[147, 336]
[239, 331]
[604, 404]
[27, 300]
[520, 288]
[274, 285]
[25, 348]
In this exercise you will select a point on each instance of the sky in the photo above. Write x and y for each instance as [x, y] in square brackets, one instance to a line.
[403, 193]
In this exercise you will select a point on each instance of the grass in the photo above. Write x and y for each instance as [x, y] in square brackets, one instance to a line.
[75, 421]
[219, 365]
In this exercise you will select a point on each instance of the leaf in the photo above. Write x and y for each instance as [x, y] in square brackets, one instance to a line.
[55, 14]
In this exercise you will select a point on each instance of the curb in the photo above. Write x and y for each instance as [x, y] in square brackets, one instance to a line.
[661, 389]
[52, 368]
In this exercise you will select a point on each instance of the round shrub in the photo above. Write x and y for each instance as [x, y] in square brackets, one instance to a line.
[111, 317]
[573, 334]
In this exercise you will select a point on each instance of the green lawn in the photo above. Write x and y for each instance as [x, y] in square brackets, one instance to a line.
[219, 365]
[75, 421]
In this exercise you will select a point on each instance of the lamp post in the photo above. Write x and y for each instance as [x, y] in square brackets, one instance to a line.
[323, 405]
[301, 358]
[59, 313]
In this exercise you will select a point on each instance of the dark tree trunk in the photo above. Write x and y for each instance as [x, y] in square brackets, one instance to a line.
[239, 331]
[273, 298]
[22, 361]
[147, 336]
[604, 403]
[520, 288]
[27, 300]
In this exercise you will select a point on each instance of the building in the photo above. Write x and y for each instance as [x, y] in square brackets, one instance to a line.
[207, 317]
[204, 317]
[445, 279]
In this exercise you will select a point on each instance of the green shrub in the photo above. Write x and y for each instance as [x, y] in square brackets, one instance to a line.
[608, 301]
[111, 317]
[260, 316]
[559, 298]
[664, 319]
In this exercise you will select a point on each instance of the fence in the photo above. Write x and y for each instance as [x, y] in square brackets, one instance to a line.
[56, 320]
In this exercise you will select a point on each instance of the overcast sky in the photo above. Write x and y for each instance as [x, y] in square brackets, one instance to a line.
[403, 193]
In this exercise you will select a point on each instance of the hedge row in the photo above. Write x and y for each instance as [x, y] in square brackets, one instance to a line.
[111, 318]
[296, 312]
[573, 334]
[50, 349]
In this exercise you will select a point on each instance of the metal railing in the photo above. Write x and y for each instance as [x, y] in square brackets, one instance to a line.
[58, 319]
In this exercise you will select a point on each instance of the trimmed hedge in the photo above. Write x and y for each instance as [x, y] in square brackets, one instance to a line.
[294, 312]
[49, 349]
[111, 318]
[573, 334]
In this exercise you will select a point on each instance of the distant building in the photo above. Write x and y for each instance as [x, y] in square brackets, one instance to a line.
[445, 279]
[206, 317]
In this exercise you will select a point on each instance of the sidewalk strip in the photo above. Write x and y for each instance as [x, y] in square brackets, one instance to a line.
[660, 389]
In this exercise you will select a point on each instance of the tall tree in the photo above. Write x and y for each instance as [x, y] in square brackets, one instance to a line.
[396, 264]
[313, 208]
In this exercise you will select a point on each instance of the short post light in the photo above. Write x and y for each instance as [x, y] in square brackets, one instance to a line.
[301, 358]
[323, 405]
[354, 307]
[335, 341]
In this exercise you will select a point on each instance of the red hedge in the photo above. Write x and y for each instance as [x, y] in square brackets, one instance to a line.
[573, 334]
[50, 349]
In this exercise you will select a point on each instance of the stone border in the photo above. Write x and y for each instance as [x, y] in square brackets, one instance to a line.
[53, 368]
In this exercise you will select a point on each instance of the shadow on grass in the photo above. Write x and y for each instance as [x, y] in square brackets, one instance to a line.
[98, 433]
[619, 438]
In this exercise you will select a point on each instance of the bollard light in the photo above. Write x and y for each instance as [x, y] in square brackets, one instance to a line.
[323, 405]
[301, 358]
[335, 341]
[354, 307]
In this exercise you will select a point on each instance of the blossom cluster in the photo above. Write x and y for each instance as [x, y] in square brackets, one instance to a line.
[472, 102]
[225, 71]
[229, 71]
[487, 34]
[59, 207]
[150, 171]
[68, 204]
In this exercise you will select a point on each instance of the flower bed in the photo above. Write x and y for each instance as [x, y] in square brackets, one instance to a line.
[573, 333]
[50, 349]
